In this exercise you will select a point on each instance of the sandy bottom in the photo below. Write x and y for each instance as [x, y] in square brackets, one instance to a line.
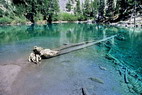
[63, 76]
[8, 74]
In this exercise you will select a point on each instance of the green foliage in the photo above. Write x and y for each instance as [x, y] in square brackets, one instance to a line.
[70, 17]
[35, 10]
[95, 8]
[38, 17]
[78, 8]
[21, 20]
[14, 20]
[32, 8]
[87, 8]
[20, 9]
[1, 13]
[101, 8]
[81, 17]
[5, 20]
[69, 6]
[67, 17]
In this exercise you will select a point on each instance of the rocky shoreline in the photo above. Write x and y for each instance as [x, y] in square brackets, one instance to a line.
[45, 22]
[130, 23]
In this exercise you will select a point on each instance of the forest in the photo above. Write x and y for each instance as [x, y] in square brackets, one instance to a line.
[106, 11]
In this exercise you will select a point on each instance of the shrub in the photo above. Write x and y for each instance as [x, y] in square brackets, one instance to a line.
[21, 20]
[81, 17]
[38, 17]
[67, 17]
[5, 20]
[1, 13]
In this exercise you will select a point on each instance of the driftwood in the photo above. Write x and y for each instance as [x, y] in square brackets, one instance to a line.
[126, 76]
[47, 53]
[84, 91]
[96, 80]
[78, 46]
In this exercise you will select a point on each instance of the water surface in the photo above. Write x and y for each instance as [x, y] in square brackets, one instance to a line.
[19, 40]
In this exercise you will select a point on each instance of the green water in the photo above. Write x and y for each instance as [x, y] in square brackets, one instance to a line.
[19, 40]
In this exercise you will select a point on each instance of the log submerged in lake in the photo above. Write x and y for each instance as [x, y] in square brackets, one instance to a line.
[81, 45]
[84, 91]
[47, 53]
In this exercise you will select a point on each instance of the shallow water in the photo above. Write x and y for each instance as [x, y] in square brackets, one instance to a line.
[19, 40]
[70, 72]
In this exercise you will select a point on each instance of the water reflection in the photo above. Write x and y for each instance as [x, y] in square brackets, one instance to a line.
[66, 32]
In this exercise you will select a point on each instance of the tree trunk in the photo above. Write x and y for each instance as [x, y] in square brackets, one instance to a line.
[49, 19]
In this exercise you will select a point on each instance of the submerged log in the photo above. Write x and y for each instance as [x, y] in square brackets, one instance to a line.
[47, 53]
[96, 80]
[84, 91]
[81, 45]
[126, 76]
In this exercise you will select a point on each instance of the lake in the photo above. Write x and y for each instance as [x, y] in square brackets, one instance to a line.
[16, 43]
[19, 40]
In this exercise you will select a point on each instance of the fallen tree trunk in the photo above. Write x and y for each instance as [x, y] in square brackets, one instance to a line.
[47, 53]
[126, 76]
[81, 45]
[85, 91]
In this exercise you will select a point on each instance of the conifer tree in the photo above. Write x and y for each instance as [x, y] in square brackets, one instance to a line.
[69, 6]
[78, 7]
[53, 8]
[95, 8]
[87, 8]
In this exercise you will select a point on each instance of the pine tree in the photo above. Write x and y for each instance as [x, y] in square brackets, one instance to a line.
[69, 6]
[101, 11]
[87, 8]
[110, 9]
[95, 8]
[78, 8]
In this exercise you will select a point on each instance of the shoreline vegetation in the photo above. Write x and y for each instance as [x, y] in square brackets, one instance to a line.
[48, 11]
[60, 18]
[69, 18]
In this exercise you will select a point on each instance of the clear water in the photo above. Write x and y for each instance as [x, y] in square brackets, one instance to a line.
[64, 73]
[19, 40]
